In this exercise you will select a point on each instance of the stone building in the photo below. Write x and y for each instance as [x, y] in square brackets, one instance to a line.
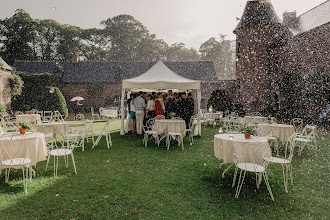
[268, 48]
[5, 71]
[100, 82]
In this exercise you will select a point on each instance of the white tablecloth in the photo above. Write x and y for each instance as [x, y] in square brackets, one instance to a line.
[59, 128]
[111, 113]
[253, 120]
[35, 142]
[212, 115]
[26, 117]
[165, 126]
[223, 146]
[281, 131]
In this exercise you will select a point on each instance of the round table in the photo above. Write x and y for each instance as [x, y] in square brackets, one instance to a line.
[212, 116]
[58, 128]
[281, 131]
[35, 142]
[26, 117]
[223, 147]
[253, 120]
[164, 126]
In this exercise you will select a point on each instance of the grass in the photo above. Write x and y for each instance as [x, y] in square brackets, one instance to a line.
[130, 181]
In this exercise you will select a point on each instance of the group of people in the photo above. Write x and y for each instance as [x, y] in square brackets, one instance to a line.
[143, 106]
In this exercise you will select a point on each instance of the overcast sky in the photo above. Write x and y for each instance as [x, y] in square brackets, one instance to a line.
[189, 21]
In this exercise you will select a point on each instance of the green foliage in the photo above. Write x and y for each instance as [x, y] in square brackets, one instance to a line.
[52, 101]
[220, 100]
[16, 84]
[2, 109]
[33, 85]
[17, 37]
[25, 126]
[221, 53]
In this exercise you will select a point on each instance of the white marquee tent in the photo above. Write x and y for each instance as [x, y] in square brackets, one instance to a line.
[159, 77]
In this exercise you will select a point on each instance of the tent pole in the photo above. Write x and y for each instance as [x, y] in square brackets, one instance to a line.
[199, 96]
[122, 130]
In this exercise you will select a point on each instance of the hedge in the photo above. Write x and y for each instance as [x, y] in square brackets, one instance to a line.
[220, 100]
[34, 83]
[48, 101]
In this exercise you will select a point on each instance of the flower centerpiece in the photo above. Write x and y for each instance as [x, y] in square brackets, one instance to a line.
[23, 128]
[53, 119]
[247, 134]
[272, 120]
[172, 115]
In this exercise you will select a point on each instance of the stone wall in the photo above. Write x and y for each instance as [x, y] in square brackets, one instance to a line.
[5, 97]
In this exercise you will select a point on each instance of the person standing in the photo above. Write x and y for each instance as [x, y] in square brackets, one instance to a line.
[151, 109]
[139, 104]
[159, 103]
[191, 107]
[132, 112]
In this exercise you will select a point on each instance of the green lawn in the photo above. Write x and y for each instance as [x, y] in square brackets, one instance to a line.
[130, 181]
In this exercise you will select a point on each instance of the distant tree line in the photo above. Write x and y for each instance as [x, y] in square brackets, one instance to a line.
[122, 38]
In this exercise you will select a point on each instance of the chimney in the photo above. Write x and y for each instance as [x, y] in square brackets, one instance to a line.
[75, 59]
[290, 19]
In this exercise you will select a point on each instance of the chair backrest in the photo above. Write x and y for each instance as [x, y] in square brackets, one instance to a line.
[106, 128]
[31, 123]
[297, 123]
[160, 117]
[309, 131]
[19, 113]
[14, 149]
[48, 115]
[79, 117]
[34, 111]
[289, 148]
[257, 114]
[58, 116]
[89, 125]
[248, 153]
[101, 110]
[149, 125]
[92, 110]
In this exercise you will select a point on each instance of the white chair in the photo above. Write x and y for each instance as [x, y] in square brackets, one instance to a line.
[15, 155]
[79, 117]
[58, 116]
[19, 113]
[178, 136]
[89, 130]
[48, 131]
[297, 123]
[160, 117]
[41, 113]
[286, 161]
[66, 148]
[34, 111]
[191, 127]
[306, 138]
[76, 135]
[94, 115]
[101, 112]
[8, 126]
[148, 132]
[242, 161]
[48, 116]
[105, 132]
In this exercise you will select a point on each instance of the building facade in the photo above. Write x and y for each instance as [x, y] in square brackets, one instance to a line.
[268, 48]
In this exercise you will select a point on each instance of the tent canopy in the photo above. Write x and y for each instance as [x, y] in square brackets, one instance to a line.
[160, 77]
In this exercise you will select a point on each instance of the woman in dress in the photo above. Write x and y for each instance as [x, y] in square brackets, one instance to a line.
[159, 103]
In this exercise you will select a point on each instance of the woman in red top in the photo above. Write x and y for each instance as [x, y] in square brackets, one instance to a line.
[159, 104]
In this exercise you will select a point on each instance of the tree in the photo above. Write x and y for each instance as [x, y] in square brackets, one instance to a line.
[178, 52]
[220, 100]
[221, 53]
[17, 35]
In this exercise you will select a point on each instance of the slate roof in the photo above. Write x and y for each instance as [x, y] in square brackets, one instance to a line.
[258, 12]
[313, 18]
[86, 71]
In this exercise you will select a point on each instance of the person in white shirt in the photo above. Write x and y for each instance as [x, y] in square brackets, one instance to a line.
[151, 109]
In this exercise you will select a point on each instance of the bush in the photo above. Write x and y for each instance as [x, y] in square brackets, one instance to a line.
[48, 101]
[16, 84]
[220, 100]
